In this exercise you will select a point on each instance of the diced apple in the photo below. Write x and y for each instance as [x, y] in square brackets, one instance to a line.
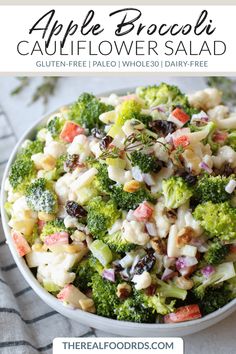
[143, 212]
[70, 131]
[74, 297]
[179, 117]
[21, 244]
[183, 314]
[59, 238]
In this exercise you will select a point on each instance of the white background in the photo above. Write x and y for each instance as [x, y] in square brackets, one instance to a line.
[218, 339]
[16, 21]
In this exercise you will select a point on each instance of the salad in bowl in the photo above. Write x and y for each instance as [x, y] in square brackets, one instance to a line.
[125, 206]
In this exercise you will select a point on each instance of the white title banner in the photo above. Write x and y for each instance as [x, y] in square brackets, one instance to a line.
[118, 345]
[117, 39]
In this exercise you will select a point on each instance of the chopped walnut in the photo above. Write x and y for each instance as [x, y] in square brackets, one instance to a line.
[87, 305]
[171, 215]
[184, 283]
[131, 186]
[123, 290]
[158, 244]
[185, 236]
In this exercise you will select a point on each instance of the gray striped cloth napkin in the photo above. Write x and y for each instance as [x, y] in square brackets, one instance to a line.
[27, 324]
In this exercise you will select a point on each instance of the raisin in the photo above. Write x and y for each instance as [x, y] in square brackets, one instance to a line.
[75, 210]
[97, 133]
[104, 143]
[190, 179]
[71, 162]
[146, 263]
[151, 290]
[162, 127]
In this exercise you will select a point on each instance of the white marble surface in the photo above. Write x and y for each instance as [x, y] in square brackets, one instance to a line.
[218, 339]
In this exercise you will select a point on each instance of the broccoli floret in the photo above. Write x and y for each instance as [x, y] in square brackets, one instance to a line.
[216, 253]
[209, 129]
[84, 273]
[146, 163]
[163, 94]
[21, 173]
[218, 219]
[214, 299]
[210, 188]
[52, 227]
[170, 290]
[210, 139]
[60, 165]
[101, 216]
[132, 310]
[117, 243]
[127, 201]
[129, 109]
[176, 192]
[55, 126]
[32, 147]
[23, 169]
[102, 181]
[156, 303]
[104, 296]
[223, 272]
[40, 197]
[87, 109]
[231, 141]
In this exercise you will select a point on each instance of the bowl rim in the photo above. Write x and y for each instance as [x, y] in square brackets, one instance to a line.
[52, 301]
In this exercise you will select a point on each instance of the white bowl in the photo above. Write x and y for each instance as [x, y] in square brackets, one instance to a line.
[95, 321]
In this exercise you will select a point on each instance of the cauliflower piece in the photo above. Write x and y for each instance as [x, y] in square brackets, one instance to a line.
[133, 232]
[160, 150]
[11, 196]
[194, 154]
[220, 115]
[162, 222]
[142, 281]
[62, 187]
[55, 149]
[80, 146]
[23, 218]
[164, 173]
[205, 99]
[119, 175]
[224, 155]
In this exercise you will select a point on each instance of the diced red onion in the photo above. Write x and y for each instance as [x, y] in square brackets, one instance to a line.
[184, 262]
[167, 274]
[169, 139]
[109, 274]
[230, 187]
[208, 271]
[158, 108]
[148, 179]
[220, 137]
[205, 167]
[200, 116]
[137, 174]
[185, 271]
[125, 274]
[136, 259]
[151, 228]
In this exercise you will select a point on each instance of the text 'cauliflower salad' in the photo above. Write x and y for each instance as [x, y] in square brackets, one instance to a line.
[126, 206]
